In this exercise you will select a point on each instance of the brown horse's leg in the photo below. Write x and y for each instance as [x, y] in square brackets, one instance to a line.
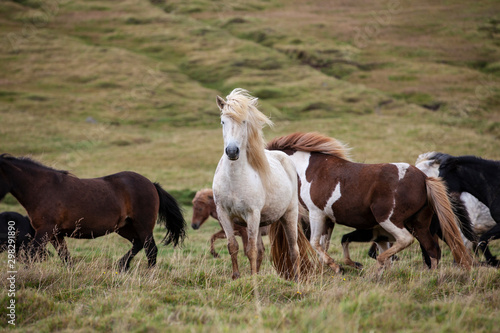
[124, 262]
[129, 233]
[151, 251]
[61, 247]
[37, 247]
[428, 242]
[242, 232]
[218, 235]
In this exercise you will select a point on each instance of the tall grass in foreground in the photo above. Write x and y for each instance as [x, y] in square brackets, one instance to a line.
[191, 291]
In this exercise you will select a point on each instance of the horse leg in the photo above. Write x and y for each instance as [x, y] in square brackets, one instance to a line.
[151, 250]
[61, 247]
[317, 220]
[38, 245]
[403, 239]
[242, 232]
[357, 235]
[218, 235]
[253, 230]
[325, 239]
[129, 233]
[493, 233]
[232, 243]
[260, 251]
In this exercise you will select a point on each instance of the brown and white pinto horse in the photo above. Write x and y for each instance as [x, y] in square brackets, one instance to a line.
[204, 207]
[396, 198]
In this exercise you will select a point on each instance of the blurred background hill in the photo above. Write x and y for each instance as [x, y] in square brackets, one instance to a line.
[103, 86]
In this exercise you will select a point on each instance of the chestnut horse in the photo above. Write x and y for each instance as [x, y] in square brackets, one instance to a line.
[204, 207]
[61, 205]
[396, 199]
[254, 188]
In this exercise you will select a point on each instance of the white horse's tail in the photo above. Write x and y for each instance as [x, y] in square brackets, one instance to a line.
[280, 253]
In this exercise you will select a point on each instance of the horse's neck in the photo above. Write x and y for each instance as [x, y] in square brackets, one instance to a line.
[28, 182]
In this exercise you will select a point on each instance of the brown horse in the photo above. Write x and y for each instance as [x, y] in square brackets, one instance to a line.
[204, 207]
[396, 199]
[62, 205]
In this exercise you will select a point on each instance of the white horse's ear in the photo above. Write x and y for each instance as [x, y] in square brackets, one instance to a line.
[220, 102]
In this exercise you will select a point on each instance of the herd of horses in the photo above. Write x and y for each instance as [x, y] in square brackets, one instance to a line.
[294, 189]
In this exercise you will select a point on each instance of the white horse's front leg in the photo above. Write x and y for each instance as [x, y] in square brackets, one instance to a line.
[318, 221]
[253, 222]
[232, 243]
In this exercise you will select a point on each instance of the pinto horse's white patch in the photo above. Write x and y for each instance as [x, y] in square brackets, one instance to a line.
[301, 161]
[402, 168]
[335, 196]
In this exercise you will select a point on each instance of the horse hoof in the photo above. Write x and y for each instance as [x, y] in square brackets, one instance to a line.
[215, 254]
[236, 276]
[493, 262]
[358, 265]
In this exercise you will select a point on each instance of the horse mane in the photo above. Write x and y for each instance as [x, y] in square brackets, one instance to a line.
[29, 161]
[202, 196]
[242, 108]
[311, 142]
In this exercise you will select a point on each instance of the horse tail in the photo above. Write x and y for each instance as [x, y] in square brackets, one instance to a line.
[438, 198]
[280, 253]
[170, 215]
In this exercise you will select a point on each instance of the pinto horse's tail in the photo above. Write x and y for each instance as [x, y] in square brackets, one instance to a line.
[170, 215]
[280, 253]
[440, 202]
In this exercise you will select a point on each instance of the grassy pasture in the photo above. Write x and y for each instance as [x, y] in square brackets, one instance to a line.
[97, 87]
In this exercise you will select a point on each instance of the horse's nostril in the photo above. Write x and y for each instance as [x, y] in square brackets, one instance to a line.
[195, 226]
[232, 152]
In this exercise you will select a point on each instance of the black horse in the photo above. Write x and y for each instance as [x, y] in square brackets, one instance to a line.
[21, 229]
[480, 178]
[61, 205]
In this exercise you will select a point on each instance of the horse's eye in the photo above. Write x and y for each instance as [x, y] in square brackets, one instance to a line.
[222, 122]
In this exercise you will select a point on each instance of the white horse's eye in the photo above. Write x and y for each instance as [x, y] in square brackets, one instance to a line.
[222, 122]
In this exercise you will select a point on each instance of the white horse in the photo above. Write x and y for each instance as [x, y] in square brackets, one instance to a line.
[479, 213]
[254, 187]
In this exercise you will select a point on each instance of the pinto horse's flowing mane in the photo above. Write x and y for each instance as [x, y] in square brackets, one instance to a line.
[310, 142]
[242, 107]
[28, 161]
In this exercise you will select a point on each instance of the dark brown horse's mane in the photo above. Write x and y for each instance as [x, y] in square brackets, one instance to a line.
[310, 142]
[27, 160]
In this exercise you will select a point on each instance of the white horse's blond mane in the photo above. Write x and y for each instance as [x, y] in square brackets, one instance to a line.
[242, 107]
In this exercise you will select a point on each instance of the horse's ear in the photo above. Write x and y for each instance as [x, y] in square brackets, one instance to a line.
[220, 102]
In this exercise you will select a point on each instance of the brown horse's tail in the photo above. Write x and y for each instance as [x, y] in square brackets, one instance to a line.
[440, 201]
[170, 215]
[280, 253]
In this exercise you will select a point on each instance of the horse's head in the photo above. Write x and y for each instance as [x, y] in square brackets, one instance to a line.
[203, 206]
[242, 125]
[5, 186]
[234, 130]
[427, 163]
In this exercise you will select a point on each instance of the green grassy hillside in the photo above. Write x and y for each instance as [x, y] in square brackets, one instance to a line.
[97, 87]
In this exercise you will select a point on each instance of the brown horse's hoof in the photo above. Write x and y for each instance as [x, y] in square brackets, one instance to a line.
[336, 268]
[236, 275]
[215, 254]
